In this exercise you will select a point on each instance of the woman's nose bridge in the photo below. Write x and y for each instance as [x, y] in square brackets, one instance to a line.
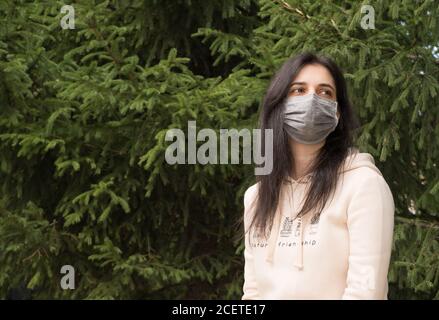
[311, 88]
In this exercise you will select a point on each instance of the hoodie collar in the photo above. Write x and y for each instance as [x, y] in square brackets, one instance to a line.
[302, 180]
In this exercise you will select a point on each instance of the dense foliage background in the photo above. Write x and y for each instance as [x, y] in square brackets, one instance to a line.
[84, 111]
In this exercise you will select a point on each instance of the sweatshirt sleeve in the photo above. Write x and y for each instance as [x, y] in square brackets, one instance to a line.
[370, 221]
[250, 288]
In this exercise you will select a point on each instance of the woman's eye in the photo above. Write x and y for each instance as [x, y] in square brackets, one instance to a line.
[327, 93]
[297, 91]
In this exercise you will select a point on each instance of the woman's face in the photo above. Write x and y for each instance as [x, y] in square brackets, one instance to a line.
[314, 78]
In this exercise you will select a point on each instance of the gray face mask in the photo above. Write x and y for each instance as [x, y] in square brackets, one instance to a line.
[310, 119]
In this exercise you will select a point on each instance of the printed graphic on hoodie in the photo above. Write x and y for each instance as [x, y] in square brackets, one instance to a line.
[290, 232]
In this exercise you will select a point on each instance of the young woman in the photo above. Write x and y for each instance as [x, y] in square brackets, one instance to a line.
[320, 226]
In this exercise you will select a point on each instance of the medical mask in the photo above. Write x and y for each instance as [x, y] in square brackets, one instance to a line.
[310, 119]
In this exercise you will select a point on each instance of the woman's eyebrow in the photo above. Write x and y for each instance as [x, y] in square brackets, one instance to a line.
[320, 85]
[326, 85]
[298, 83]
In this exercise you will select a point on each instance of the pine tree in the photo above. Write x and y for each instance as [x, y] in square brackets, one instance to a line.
[84, 113]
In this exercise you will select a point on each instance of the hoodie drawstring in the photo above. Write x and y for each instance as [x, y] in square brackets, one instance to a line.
[273, 235]
[298, 262]
[299, 256]
[275, 231]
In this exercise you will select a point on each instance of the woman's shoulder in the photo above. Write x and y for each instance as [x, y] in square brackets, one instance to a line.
[360, 166]
[360, 173]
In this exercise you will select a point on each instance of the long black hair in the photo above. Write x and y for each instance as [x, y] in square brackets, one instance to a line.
[330, 158]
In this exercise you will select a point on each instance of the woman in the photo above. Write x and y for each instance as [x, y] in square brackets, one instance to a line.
[320, 226]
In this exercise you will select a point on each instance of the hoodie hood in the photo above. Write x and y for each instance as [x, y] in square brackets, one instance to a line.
[357, 159]
[353, 161]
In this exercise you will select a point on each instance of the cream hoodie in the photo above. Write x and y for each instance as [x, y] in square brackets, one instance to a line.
[345, 254]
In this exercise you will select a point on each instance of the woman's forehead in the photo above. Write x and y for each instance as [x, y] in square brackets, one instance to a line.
[314, 74]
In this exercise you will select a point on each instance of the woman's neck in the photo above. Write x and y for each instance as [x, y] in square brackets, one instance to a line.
[303, 155]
